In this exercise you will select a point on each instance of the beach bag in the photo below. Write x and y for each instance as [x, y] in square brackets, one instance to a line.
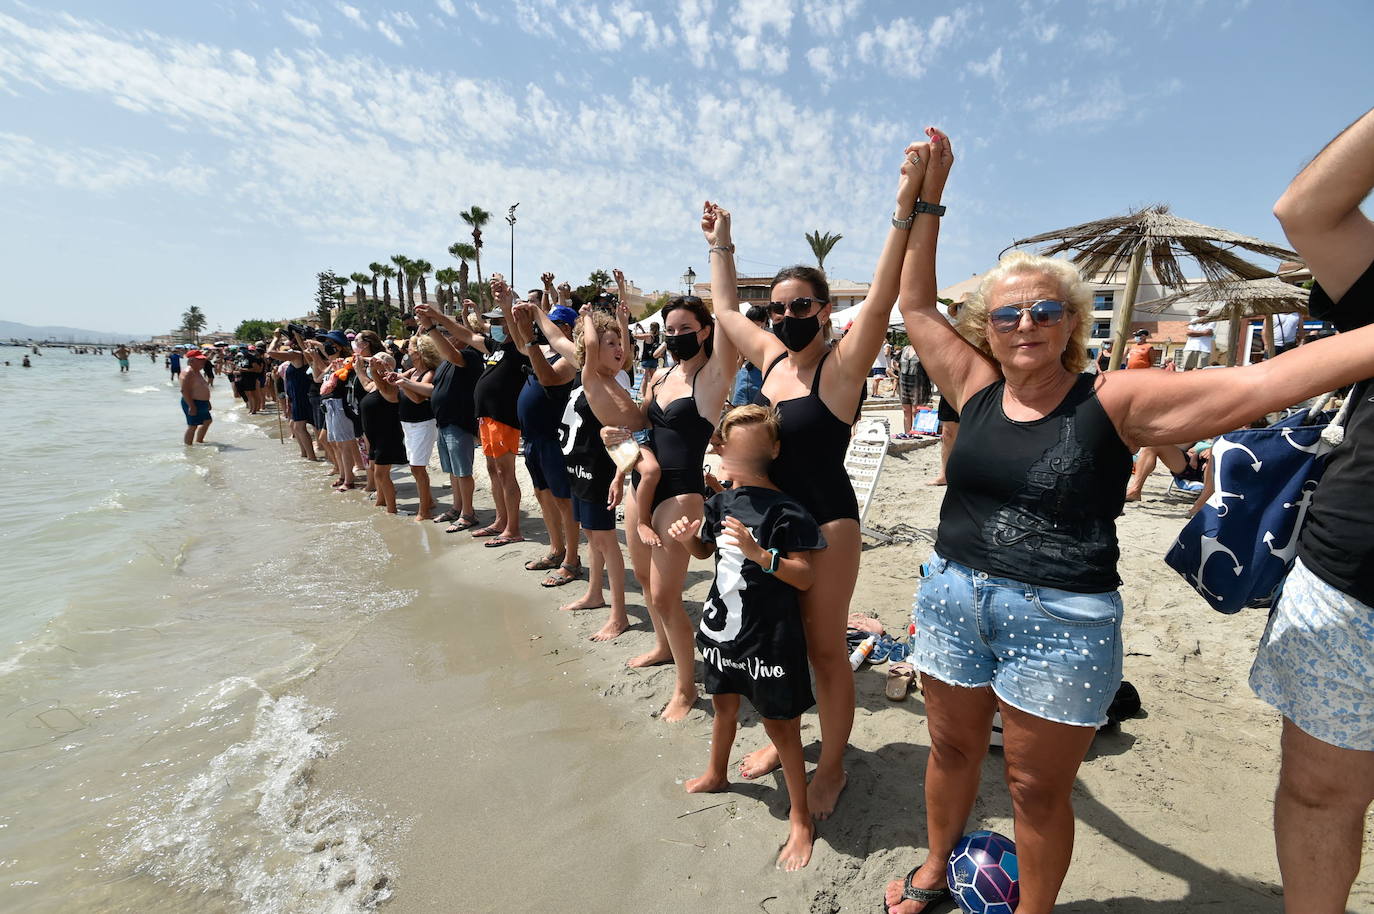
[1237, 549]
[927, 422]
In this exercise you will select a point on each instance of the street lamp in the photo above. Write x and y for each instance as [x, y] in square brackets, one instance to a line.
[510, 217]
[689, 279]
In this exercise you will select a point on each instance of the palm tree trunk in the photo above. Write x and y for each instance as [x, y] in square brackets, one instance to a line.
[462, 281]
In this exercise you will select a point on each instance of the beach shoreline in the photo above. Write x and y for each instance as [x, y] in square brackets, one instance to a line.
[511, 759]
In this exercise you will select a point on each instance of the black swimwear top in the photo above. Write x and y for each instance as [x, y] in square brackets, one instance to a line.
[1037, 501]
[680, 439]
[810, 463]
[410, 411]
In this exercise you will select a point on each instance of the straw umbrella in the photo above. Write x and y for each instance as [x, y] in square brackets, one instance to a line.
[1109, 245]
[1236, 301]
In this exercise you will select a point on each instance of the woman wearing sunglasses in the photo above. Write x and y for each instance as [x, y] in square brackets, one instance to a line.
[1018, 609]
[818, 389]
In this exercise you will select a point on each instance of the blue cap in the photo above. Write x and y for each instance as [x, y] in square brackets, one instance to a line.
[338, 337]
[563, 315]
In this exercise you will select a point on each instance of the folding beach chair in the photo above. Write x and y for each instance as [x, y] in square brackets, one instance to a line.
[864, 463]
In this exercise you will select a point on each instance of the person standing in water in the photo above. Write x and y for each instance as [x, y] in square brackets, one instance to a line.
[122, 353]
[195, 399]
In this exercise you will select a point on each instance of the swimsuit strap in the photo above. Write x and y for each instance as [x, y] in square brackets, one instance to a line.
[816, 380]
[771, 365]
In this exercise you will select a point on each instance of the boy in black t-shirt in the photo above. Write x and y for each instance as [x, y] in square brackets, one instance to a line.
[751, 635]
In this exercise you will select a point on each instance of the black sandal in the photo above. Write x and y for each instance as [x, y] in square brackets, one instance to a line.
[911, 893]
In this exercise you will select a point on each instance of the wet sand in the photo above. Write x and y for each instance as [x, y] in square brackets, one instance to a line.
[517, 765]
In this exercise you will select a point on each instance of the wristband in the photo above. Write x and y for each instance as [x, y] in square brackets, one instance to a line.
[723, 248]
[773, 563]
[935, 209]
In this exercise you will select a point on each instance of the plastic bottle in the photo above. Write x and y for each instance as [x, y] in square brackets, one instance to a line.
[862, 652]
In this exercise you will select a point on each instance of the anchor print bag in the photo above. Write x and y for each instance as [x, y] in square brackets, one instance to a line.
[1237, 549]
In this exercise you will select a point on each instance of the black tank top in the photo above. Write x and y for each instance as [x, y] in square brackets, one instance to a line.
[1037, 501]
[409, 410]
[810, 464]
[681, 436]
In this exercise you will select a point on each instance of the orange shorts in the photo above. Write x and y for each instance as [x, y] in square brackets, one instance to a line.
[498, 438]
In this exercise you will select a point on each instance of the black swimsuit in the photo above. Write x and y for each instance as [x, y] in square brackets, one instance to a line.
[810, 463]
[680, 439]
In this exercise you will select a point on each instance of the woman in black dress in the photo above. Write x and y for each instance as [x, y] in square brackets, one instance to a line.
[380, 411]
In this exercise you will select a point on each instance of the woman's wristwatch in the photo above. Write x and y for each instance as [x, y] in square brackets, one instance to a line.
[921, 206]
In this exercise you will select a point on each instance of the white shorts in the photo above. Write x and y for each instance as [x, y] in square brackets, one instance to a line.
[337, 425]
[420, 438]
[1316, 661]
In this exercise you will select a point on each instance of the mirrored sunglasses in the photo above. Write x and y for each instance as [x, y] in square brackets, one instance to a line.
[1043, 313]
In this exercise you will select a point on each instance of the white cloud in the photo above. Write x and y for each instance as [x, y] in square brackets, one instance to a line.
[353, 15]
[447, 7]
[1064, 104]
[822, 63]
[694, 22]
[307, 28]
[531, 19]
[640, 25]
[1098, 41]
[827, 17]
[753, 17]
[101, 171]
[389, 33]
[990, 67]
[482, 14]
[903, 47]
[404, 20]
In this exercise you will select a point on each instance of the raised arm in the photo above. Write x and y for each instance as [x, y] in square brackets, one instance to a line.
[547, 375]
[611, 403]
[758, 345]
[622, 316]
[560, 343]
[1320, 210]
[957, 367]
[431, 317]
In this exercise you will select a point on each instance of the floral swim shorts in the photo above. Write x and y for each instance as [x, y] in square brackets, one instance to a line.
[1316, 661]
[1052, 653]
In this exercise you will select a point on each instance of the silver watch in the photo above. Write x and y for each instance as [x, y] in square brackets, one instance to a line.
[904, 223]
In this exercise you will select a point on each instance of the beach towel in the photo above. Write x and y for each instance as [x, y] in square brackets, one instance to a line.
[1237, 549]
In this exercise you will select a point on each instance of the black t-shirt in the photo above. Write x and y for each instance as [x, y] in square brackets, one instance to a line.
[590, 467]
[1037, 501]
[453, 391]
[498, 388]
[1337, 542]
[541, 408]
[751, 637]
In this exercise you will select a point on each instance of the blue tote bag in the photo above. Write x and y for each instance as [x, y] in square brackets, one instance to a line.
[1237, 549]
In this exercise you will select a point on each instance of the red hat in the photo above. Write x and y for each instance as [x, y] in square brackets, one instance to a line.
[197, 354]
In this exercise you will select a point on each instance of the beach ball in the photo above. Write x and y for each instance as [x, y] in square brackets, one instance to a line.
[982, 874]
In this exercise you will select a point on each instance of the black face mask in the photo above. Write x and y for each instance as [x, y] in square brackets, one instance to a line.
[797, 333]
[684, 347]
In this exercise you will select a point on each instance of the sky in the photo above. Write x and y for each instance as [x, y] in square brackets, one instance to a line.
[159, 154]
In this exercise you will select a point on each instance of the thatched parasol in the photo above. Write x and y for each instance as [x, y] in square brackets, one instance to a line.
[1236, 301]
[1107, 245]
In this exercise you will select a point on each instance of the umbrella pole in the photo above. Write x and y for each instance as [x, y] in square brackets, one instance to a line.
[1127, 307]
[1268, 336]
[1233, 337]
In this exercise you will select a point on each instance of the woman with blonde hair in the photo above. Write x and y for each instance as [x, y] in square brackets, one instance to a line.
[1018, 609]
[416, 386]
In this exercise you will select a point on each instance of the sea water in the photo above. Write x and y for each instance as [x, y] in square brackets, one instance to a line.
[156, 604]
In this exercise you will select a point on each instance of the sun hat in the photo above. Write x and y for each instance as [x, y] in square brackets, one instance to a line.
[196, 354]
[338, 337]
[563, 315]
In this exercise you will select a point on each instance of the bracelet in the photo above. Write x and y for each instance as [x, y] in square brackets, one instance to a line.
[773, 563]
[935, 209]
[903, 223]
[723, 248]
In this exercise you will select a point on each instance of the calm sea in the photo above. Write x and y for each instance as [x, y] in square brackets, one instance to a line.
[158, 601]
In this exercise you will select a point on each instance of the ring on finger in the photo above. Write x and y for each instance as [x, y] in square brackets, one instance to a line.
[914, 159]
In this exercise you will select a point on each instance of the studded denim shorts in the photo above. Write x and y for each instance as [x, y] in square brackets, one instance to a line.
[1052, 653]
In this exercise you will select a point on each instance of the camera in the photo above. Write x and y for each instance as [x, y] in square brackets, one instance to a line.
[305, 333]
[538, 336]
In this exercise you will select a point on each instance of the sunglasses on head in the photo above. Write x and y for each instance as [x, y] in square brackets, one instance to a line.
[797, 307]
[1045, 312]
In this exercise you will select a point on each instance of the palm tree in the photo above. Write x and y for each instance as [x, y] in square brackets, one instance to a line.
[402, 268]
[821, 245]
[600, 279]
[462, 253]
[193, 321]
[476, 217]
[342, 282]
[388, 274]
[446, 277]
[359, 293]
[376, 269]
[422, 268]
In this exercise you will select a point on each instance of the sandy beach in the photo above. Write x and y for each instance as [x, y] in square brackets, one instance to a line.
[513, 764]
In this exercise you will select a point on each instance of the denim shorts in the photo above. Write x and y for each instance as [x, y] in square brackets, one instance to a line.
[1315, 662]
[456, 445]
[1052, 653]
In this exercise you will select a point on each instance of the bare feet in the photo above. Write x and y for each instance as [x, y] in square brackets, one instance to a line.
[935, 879]
[937, 481]
[759, 762]
[678, 707]
[710, 782]
[1132, 496]
[609, 632]
[796, 853]
[647, 534]
[823, 793]
[652, 658]
[587, 602]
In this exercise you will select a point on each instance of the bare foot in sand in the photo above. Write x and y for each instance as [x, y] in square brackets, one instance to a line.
[1132, 496]
[586, 602]
[937, 481]
[927, 877]
[796, 853]
[759, 762]
[678, 707]
[710, 782]
[823, 793]
[647, 534]
[652, 658]
[610, 631]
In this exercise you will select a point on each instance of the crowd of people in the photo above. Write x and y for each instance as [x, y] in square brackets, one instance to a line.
[1017, 611]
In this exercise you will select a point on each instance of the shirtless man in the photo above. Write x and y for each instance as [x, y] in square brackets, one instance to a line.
[122, 353]
[195, 399]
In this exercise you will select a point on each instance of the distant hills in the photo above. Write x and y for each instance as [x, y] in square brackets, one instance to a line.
[11, 330]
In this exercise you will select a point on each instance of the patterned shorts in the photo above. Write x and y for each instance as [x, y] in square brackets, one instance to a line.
[1316, 661]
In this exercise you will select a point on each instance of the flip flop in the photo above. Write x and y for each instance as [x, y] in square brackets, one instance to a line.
[503, 541]
[564, 575]
[462, 523]
[448, 517]
[911, 893]
[544, 564]
[900, 676]
[487, 531]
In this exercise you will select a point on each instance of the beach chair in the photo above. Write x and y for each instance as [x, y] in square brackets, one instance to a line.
[864, 464]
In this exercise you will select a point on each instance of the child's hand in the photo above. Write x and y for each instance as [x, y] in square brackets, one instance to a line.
[735, 530]
[683, 529]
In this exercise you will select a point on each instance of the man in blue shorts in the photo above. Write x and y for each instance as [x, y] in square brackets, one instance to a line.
[195, 399]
